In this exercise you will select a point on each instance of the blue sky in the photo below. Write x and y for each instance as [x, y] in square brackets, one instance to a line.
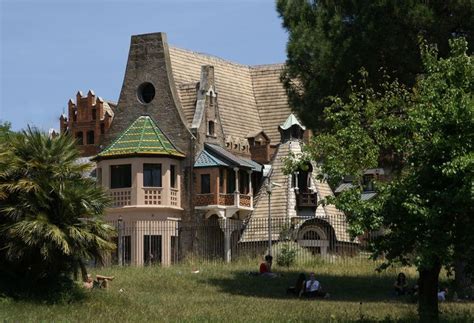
[52, 49]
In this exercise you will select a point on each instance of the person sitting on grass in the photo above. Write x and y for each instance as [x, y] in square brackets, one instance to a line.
[401, 285]
[442, 294]
[299, 287]
[313, 288]
[99, 282]
[266, 267]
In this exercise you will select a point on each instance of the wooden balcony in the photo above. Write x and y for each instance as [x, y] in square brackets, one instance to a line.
[306, 199]
[231, 200]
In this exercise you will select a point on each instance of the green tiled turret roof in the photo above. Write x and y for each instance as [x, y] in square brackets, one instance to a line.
[142, 137]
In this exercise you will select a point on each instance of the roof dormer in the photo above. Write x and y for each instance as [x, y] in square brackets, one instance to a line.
[291, 129]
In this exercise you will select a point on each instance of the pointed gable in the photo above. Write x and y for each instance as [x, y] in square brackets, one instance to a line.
[290, 122]
[206, 159]
[142, 138]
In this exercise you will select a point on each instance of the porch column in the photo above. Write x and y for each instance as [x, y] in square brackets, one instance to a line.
[296, 181]
[236, 192]
[250, 188]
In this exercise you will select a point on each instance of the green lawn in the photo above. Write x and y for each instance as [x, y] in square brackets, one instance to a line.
[221, 292]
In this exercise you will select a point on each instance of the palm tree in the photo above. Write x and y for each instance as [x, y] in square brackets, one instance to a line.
[50, 214]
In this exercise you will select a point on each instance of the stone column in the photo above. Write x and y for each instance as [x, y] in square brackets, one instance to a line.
[227, 234]
[250, 188]
[236, 192]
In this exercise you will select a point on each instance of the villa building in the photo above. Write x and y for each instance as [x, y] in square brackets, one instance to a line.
[195, 138]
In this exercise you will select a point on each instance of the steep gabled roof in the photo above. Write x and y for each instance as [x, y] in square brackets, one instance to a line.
[213, 155]
[206, 159]
[251, 92]
[226, 155]
[142, 138]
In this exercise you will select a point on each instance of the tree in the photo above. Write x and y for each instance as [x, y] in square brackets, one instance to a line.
[330, 41]
[4, 130]
[50, 215]
[426, 208]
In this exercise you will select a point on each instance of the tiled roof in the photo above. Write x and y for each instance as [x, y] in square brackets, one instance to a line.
[367, 196]
[226, 155]
[142, 137]
[256, 167]
[343, 187]
[187, 95]
[206, 159]
[291, 121]
[213, 155]
[255, 93]
[271, 98]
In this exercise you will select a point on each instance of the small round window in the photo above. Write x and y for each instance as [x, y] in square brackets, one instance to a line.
[146, 92]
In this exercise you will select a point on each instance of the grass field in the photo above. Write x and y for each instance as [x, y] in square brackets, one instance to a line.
[221, 292]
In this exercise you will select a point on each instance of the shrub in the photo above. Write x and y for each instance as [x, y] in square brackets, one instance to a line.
[289, 253]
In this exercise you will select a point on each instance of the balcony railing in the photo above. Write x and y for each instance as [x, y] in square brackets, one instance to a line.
[152, 196]
[174, 197]
[245, 200]
[226, 199]
[121, 197]
[306, 200]
[205, 199]
[232, 199]
[146, 196]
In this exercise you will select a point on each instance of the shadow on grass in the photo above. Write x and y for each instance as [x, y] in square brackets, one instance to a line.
[59, 291]
[369, 288]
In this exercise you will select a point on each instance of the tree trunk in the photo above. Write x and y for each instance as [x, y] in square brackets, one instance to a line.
[83, 270]
[428, 294]
[461, 277]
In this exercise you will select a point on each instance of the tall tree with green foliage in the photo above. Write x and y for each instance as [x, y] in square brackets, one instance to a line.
[426, 208]
[50, 214]
[5, 129]
[330, 41]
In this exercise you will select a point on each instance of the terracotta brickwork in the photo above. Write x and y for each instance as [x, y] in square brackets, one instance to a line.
[88, 120]
[205, 199]
[226, 199]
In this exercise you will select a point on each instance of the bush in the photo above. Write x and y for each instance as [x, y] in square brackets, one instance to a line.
[288, 253]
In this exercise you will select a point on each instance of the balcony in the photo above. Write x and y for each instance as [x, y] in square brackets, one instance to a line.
[121, 197]
[306, 199]
[146, 196]
[231, 200]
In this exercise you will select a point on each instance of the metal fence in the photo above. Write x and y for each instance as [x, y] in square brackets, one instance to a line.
[169, 242]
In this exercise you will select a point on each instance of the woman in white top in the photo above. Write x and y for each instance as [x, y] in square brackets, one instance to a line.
[313, 288]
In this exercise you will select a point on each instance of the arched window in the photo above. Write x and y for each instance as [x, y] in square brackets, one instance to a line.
[311, 235]
[211, 99]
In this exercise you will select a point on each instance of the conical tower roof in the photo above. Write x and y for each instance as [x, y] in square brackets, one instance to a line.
[142, 138]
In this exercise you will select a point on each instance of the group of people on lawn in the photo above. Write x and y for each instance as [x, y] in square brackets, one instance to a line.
[401, 288]
[310, 288]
